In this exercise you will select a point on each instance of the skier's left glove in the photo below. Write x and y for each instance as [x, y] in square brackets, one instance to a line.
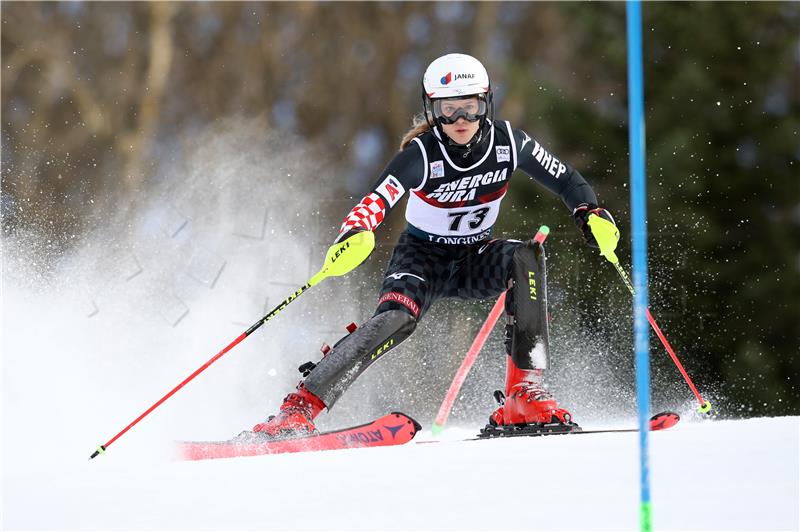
[600, 232]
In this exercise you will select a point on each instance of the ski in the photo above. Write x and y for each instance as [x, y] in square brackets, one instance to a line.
[392, 429]
[661, 421]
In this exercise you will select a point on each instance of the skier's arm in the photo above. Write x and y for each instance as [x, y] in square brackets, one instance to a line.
[564, 181]
[404, 172]
[555, 175]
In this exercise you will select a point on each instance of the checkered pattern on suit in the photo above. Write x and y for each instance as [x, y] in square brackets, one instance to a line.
[420, 273]
[368, 214]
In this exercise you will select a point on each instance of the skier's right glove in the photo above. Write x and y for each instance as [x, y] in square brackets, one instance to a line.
[598, 228]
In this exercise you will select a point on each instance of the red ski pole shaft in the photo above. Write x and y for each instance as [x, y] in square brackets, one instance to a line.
[475, 348]
[342, 258]
[102, 448]
[172, 392]
[674, 357]
[705, 406]
[466, 364]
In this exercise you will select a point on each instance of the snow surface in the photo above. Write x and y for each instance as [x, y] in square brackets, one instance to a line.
[723, 475]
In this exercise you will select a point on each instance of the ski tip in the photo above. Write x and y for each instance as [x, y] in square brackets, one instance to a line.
[664, 420]
[417, 426]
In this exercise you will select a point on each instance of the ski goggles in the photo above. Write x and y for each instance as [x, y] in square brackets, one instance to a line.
[449, 110]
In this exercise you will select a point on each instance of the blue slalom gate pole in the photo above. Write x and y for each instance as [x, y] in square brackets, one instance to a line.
[639, 246]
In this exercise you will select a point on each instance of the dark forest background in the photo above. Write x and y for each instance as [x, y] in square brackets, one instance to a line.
[97, 97]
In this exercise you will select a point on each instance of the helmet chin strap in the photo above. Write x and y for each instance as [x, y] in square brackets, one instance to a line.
[464, 149]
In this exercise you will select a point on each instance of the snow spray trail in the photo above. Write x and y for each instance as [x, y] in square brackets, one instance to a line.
[168, 279]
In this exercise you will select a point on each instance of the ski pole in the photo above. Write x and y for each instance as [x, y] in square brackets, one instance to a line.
[705, 406]
[341, 258]
[475, 348]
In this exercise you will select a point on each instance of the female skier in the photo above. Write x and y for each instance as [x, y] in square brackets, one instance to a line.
[455, 164]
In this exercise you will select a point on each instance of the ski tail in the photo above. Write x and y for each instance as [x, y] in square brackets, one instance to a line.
[392, 429]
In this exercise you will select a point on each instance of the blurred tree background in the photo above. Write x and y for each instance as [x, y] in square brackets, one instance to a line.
[95, 97]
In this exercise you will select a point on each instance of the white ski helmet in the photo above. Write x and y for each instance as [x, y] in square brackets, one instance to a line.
[455, 76]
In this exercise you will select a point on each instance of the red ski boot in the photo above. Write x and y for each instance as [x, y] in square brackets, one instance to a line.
[526, 401]
[295, 418]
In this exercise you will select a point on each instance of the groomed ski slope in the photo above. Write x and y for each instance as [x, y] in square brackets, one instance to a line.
[713, 475]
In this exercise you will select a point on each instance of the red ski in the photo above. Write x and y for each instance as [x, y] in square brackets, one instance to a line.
[391, 429]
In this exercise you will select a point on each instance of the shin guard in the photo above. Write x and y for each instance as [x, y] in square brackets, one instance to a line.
[527, 339]
[353, 354]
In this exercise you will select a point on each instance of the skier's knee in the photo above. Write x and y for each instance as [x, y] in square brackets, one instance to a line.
[402, 318]
[525, 278]
[393, 325]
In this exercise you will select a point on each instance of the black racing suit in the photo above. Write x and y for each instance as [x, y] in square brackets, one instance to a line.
[446, 250]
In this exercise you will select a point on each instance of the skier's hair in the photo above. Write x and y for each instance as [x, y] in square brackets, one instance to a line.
[419, 125]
